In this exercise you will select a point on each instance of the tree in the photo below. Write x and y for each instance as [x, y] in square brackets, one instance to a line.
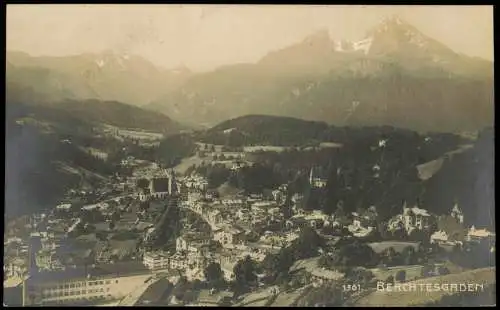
[409, 256]
[400, 276]
[360, 275]
[244, 272]
[426, 271]
[307, 244]
[443, 270]
[390, 279]
[213, 274]
[353, 254]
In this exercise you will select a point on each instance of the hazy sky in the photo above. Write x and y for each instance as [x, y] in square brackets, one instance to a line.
[205, 36]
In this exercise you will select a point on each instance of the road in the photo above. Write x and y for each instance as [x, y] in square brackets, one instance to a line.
[133, 297]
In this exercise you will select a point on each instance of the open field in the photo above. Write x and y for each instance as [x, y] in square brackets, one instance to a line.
[398, 246]
[411, 272]
[186, 163]
[483, 276]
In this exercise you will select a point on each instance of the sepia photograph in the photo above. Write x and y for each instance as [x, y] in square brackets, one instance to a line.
[249, 155]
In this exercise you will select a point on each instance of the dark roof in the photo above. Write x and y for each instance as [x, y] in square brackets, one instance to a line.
[159, 185]
[120, 269]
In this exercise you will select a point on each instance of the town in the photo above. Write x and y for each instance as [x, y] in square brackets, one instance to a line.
[167, 237]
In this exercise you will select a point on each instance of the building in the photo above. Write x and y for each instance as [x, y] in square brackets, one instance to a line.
[415, 218]
[457, 214]
[439, 237]
[156, 260]
[215, 217]
[160, 188]
[478, 234]
[83, 285]
[178, 261]
[317, 177]
[228, 235]
[191, 242]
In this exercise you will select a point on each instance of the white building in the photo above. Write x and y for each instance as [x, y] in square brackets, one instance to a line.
[477, 234]
[439, 237]
[317, 177]
[415, 218]
[227, 235]
[156, 260]
[191, 242]
[70, 286]
[457, 213]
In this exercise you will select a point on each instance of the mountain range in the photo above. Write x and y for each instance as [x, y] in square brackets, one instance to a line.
[106, 76]
[394, 75]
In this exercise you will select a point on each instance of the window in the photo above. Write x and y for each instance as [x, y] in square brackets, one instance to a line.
[72, 285]
[108, 282]
[116, 281]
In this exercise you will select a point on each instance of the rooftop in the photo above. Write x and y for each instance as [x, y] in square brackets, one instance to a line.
[159, 184]
[120, 269]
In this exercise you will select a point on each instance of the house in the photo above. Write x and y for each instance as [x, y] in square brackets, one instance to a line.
[197, 260]
[317, 177]
[478, 234]
[228, 259]
[156, 260]
[178, 261]
[457, 214]
[439, 237]
[415, 218]
[190, 242]
[215, 217]
[316, 219]
[228, 235]
[243, 214]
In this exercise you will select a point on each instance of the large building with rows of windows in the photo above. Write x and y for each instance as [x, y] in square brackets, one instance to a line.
[84, 285]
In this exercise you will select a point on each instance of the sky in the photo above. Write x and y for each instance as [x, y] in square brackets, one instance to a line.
[202, 37]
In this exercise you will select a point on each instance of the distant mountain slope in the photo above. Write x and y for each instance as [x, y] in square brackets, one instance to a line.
[105, 76]
[28, 100]
[286, 131]
[394, 76]
[35, 178]
[47, 145]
